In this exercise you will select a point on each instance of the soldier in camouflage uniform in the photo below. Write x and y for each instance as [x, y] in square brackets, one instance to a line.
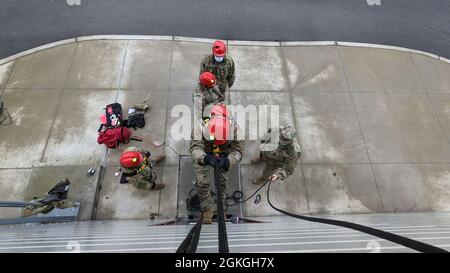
[207, 91]
[221, 65]
[55, 198]
[280, 163]
[137, 169]
[218, 151]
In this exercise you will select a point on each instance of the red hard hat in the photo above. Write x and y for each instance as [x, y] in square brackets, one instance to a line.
[131, 159]
[219, 128]
[219, 48]
[207, 79]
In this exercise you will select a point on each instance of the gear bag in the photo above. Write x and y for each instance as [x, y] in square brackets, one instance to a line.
[136, 121]
[114, 117]
[112, 131]
[112, 137]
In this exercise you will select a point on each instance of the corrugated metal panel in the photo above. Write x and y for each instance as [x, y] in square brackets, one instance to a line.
[278, 234]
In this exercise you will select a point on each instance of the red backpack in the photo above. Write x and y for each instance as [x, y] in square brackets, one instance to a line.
[111, 131]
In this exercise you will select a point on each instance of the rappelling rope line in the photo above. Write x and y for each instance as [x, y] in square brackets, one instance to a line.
[223, 240]
[404, 241]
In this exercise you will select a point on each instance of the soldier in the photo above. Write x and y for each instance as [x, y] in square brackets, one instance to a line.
[221, 65]
[280, 163]
[207, 90]
[137, 169]
[55, 198]
[214, 148]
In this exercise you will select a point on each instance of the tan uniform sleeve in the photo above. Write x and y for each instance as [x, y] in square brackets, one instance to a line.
[197, 150]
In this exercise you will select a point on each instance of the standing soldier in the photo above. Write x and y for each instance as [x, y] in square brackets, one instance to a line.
[207, 90]
[280, 163]
[215, 148]
[137, 169]
[221, 65]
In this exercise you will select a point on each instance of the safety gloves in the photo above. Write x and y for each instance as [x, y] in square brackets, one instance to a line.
[220, 162]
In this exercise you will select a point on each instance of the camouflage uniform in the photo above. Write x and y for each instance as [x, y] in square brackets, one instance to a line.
[46, 208]
[207, 95]
[198, 150]
[145, 177]
[224, 71]
[283, 159]
[55, 198]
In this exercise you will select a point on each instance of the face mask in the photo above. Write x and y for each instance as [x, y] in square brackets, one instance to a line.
[218, 59]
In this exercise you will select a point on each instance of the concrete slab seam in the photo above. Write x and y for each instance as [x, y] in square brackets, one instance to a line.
[165, 125]
[441, 126]
[59, 104]
[360, 127]
[291, 102]
[98, 183]
[7, 80]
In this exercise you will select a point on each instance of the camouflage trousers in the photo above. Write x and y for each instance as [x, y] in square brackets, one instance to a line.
[144, 180]
[202, 183]
[270, 166]
[44, 209]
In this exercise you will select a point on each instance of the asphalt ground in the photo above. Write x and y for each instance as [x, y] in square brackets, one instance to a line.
[417, 24]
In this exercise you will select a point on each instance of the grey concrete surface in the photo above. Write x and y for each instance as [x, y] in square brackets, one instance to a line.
[401, 128]
[270, 73]
[124, 201]
[5, 73]
[429, 72]
[140, 61]
[32, 112]
[379, 70]
[328, 128]
[373, 124]
[314, 69]
[97, 64]
[29, 73]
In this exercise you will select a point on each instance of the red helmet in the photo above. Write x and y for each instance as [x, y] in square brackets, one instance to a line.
[219, 128]
[131, 159]
[219, 48]
[207, 79]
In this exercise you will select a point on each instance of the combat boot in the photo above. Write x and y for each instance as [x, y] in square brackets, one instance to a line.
[160, 158]
[141, 107]
[158, 186]
[259, 181]
[207, 216]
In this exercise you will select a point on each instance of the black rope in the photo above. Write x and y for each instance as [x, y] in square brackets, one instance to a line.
[223, 240]
[190, 243]
[237, 201]
[404, 241]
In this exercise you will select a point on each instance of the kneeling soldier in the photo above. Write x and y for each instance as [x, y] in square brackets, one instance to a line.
[137, 169]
